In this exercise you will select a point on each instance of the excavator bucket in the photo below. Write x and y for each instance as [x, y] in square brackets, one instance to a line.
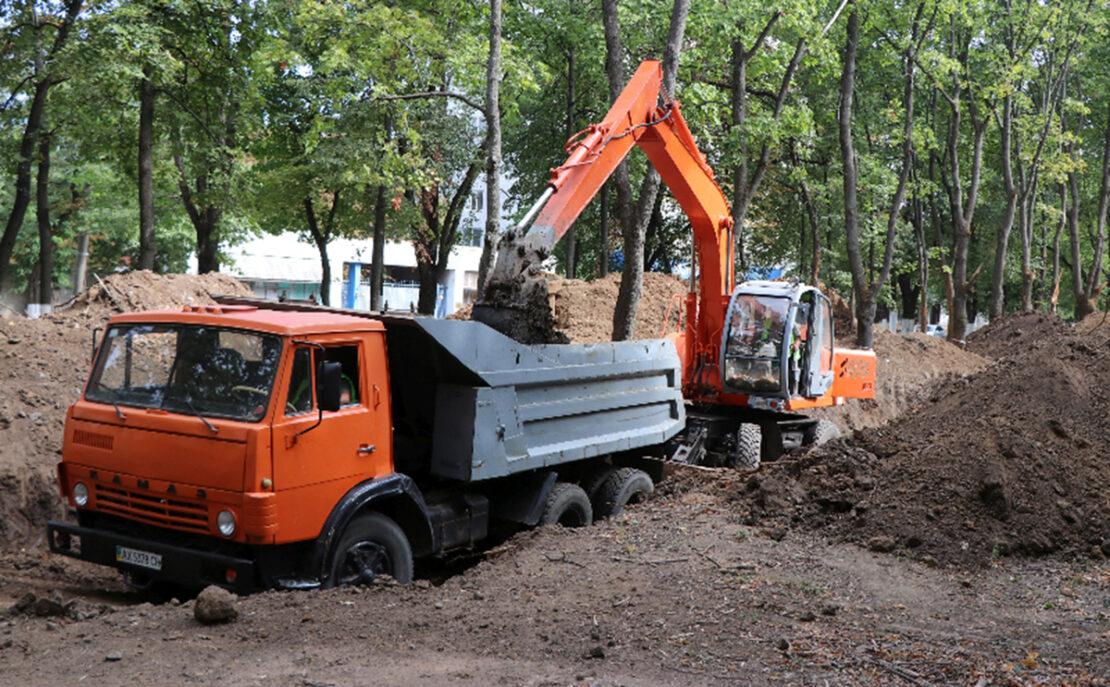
[520, 310]
[514, 301]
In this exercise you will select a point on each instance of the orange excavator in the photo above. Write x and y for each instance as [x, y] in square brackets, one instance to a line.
[752, 355]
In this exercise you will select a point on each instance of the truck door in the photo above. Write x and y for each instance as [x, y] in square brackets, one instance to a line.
[347, 445]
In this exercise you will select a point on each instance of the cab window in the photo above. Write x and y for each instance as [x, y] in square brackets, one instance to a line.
[301, 397]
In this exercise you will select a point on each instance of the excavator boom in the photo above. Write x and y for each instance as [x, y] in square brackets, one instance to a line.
[515, 298]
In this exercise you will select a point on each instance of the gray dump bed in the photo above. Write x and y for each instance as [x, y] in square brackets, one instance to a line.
[471, 404]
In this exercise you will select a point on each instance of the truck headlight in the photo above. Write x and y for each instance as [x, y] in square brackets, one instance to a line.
[80, 494]
[225, 522]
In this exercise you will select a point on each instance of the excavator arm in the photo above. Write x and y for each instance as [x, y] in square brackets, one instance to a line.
[515, 298]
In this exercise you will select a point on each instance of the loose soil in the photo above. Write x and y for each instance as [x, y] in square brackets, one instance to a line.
[958, 538]
[1008, 461]
[43, 366]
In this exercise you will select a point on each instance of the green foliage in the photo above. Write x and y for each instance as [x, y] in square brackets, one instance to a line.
[267, 105]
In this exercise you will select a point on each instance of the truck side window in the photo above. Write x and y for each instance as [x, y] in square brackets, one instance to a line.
[300, 384]
[347, 356]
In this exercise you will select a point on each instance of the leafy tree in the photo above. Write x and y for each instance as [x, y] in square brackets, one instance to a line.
[36, 35]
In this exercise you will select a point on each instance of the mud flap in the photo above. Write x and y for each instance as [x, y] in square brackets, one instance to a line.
[523, 499]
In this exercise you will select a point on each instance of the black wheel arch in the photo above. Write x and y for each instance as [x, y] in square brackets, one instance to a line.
[395, 496]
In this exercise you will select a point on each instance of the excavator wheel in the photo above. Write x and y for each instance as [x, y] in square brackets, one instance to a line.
[567, 505]
[620, 488]
[747, 453]
[824, 432]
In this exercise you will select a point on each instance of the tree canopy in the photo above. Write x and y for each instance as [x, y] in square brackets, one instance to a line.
[957, 158]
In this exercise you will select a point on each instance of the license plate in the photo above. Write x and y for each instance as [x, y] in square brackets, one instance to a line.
[143, 559]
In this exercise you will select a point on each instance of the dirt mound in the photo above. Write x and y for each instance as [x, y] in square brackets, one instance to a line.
[1095, 322]
[145, 290]
[1010, 460]
[584, 309]
[1017, 333]
[43, 365]
[908, 367]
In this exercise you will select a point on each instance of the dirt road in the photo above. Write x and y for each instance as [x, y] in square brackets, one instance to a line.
[676, 592]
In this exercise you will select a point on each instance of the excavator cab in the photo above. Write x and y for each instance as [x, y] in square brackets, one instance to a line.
[778, 343]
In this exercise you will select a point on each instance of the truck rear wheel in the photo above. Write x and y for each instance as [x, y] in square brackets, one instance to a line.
[622, 487]
[371, 546]
[567, 505]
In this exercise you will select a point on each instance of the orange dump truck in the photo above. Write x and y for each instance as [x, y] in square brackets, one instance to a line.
[259, 445]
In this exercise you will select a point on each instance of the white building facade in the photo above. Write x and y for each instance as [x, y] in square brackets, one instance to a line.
[285, 267]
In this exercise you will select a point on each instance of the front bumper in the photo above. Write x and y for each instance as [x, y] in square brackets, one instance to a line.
[185, 566]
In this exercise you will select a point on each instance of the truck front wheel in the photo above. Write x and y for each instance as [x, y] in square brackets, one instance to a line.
[371, 546]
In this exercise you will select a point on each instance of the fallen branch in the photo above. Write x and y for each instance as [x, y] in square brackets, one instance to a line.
[564, 559]
[664, 561]
[105, 289]
[904, 673]
[706, 556]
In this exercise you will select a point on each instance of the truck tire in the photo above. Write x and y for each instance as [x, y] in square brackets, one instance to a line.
[567, 505]
[622, 487]
[747, 453]
[824, 432]
[593, 481]
[371, 546]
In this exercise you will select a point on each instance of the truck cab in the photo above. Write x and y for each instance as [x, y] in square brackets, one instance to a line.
[189, 420]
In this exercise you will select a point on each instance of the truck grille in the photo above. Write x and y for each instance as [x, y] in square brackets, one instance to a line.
[103, 441]
[153, 509]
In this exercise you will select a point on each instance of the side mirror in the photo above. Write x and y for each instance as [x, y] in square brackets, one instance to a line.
[328, 376]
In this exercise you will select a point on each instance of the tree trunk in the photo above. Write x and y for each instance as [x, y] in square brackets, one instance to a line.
[865, 304]
[632, 276]
[997, 304]
[922, 261]
[571, 237]
[614, 69]
[866, 288]
[435, 237]
[208, 244]
[46, 233]
[204, 221]
[811, 219]
[429, 288]
[22, 179]
[493, 142]
[42, 85]
[321, 237]
[377, 259]
[1054, 298]
[745, 183]
[997, 301]
[80, 271]
[1083, 306]
[603, 251]
[1094, 284]
[146, 171]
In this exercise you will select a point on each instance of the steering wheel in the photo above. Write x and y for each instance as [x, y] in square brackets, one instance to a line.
[247, 389]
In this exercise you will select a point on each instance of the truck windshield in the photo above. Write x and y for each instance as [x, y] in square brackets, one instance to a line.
[753, 347]
[207, 371]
